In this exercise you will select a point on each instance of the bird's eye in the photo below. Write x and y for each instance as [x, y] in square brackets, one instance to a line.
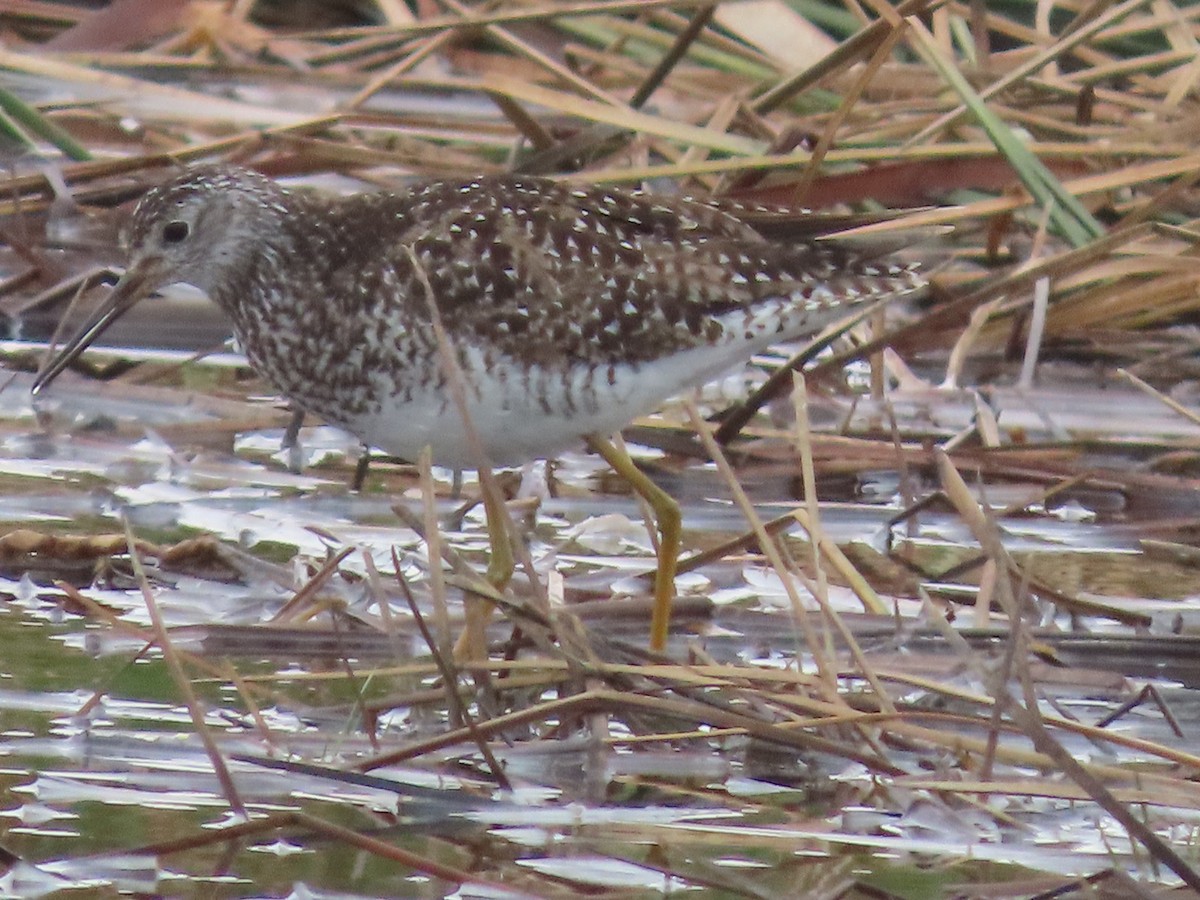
[174, 232]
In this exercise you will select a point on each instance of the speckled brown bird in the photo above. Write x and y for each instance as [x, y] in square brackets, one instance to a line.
[571, 309]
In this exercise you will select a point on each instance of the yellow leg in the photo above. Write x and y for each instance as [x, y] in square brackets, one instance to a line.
[472, 643]
[670, 526]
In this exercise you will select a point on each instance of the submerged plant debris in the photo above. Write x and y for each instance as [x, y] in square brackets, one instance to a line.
[938, 618]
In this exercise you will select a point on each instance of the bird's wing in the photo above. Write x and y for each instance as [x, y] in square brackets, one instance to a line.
[552, 273]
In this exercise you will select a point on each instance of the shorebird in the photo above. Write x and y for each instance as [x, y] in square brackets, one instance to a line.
[570, 310]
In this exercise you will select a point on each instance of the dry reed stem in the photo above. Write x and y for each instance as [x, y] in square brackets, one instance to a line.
[175, 667]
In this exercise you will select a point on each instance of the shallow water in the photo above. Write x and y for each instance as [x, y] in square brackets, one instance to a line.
[101, 757]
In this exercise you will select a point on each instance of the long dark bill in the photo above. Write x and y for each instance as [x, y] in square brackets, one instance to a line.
[134, 286]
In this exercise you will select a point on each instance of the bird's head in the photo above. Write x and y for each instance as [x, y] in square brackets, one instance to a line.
[200, 228]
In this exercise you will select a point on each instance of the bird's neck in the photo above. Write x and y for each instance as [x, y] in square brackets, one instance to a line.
[290, 299]
[286, 266]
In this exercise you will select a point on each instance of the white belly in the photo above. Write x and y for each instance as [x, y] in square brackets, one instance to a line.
[519, 416]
